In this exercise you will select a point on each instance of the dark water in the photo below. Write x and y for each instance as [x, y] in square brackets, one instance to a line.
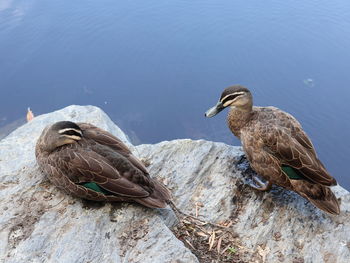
[156, 66]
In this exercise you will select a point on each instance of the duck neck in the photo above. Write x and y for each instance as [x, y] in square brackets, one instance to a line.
[238, 118]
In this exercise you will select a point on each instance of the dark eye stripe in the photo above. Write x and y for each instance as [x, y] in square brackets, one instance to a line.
[72, 132]
[231, 97]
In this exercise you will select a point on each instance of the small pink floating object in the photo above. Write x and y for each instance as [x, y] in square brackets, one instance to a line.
[30, 115]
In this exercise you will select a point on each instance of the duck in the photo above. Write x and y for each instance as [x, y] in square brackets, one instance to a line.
[277, 148]
[91, 163]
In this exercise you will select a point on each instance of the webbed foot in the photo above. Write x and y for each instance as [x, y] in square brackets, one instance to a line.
[260, 185]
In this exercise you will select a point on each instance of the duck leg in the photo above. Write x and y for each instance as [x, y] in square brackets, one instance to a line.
[258, 184]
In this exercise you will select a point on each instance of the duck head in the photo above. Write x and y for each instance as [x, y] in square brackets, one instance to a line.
[235, 97]
[60, 133]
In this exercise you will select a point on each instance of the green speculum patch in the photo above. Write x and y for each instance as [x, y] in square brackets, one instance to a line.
[96, 187]
[292, 173]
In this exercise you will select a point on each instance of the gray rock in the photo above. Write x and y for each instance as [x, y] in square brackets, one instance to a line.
[39, 223]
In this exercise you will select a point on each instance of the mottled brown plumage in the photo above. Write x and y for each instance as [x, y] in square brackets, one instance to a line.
[273, 139]
[75, 154]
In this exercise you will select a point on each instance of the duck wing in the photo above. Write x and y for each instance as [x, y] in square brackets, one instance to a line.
[84, 166]
[105, 138]
[287, 141]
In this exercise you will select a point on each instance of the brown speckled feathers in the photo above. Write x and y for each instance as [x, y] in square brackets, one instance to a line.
[272, 133]
[100, 158]
[273, 139]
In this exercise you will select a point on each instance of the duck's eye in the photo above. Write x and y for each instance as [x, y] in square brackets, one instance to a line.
[230, 98]
[70, 131]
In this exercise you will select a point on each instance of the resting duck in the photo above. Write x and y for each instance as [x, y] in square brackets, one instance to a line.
[92, 164]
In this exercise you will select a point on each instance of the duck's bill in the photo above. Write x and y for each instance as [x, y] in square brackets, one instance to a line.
[214, 110]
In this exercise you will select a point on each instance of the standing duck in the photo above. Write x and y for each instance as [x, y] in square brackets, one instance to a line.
[92, 164]
[277, 148]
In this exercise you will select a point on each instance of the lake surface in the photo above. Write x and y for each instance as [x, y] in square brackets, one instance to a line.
[156, 66]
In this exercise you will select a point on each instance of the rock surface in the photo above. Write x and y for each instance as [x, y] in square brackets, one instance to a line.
[39, 223]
